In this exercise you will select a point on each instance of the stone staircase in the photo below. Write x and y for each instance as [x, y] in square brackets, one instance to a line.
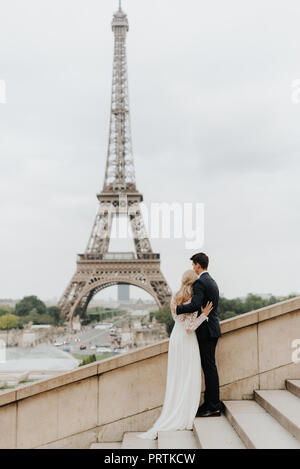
[271, 420]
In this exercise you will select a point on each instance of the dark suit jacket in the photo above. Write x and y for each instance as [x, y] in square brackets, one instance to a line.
[205, 289]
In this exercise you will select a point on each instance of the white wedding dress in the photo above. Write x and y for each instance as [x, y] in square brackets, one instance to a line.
[183, 387]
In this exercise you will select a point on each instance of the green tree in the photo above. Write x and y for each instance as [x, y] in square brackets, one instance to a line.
[253, 302]
[30, 304]
[55, 313]
[163, 315]
[227, 315]
[229, 308]
[88, 359]
[9, 321]
[6, 310]
[36, 318]
[100, 314]
[151, 315]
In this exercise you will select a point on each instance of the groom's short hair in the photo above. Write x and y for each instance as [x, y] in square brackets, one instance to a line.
[201, 259]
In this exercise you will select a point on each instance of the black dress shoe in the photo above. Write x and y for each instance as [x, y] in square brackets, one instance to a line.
[209, 413]
[222, 407]
[201, 409]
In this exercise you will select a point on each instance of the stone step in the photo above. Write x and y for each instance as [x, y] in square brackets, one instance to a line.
[184, 439]
[293, 385]
[257, 428]
[115, 445]
[284, 407]
[216, 433]
[131, 441]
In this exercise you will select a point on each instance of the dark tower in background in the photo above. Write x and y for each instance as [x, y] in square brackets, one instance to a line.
[123, 293]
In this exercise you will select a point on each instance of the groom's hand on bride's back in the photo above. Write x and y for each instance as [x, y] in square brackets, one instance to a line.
[207, 309]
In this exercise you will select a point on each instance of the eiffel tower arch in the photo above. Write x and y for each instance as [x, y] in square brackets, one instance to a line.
[98, 268]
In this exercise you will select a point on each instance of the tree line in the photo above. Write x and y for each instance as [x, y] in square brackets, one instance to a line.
[227, 308]
[100, 314]
[33, 310]
[29, 310]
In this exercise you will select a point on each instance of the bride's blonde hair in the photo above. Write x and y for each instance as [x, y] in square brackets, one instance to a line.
[186, 290]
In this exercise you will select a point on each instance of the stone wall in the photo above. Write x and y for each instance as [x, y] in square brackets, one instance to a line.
[103, 400]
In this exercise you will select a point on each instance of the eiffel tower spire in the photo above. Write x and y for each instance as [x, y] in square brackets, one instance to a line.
[97, 268]
[119, 174]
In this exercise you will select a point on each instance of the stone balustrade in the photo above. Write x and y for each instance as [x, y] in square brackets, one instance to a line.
[100, 401]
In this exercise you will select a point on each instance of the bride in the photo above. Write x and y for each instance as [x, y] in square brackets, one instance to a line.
[183, 388]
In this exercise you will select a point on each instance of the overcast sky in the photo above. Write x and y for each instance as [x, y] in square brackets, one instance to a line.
[212, 117]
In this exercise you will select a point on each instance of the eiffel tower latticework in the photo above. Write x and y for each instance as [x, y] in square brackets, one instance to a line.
[98, 268]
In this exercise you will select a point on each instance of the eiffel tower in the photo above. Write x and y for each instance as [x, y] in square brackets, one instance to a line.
[98, 268]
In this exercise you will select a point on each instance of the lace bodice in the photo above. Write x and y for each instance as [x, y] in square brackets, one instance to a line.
[190, 320]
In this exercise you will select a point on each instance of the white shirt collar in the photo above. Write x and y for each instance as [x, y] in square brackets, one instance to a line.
[204, 272]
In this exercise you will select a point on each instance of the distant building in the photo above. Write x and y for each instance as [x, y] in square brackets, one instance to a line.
[8, 302]
[127, 339]
[123, 293]
[137, 324]
[139, 312]
[28, 339]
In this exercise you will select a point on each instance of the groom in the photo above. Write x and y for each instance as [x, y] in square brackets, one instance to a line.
[206, 289]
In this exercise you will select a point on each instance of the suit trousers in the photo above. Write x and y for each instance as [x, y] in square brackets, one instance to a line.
[207, 347]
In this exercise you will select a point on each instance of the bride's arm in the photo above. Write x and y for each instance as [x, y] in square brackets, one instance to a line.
[192, 322]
